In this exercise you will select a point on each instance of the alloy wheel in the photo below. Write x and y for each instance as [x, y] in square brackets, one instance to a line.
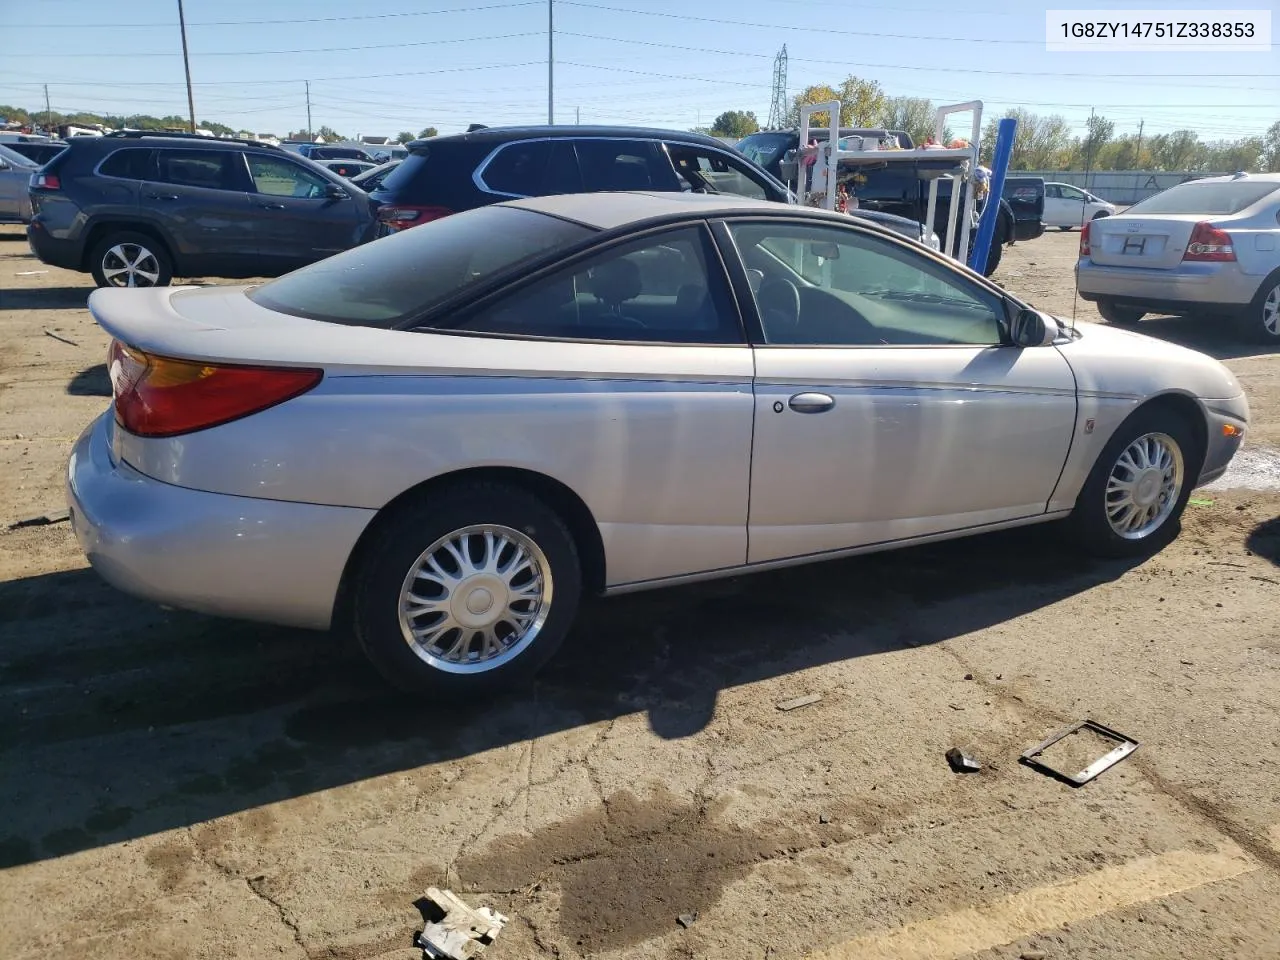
[1144, 485]
[130, 265]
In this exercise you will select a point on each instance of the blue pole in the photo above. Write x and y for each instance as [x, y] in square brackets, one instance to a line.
[999, 167]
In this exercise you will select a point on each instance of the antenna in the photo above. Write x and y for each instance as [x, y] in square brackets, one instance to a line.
[778, 105]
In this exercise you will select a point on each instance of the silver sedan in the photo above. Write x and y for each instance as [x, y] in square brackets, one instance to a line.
[443, 439]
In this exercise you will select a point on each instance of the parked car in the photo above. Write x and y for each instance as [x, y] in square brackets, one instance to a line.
[1067, 207]
[447, 437]
[138, 209]
[371, 178]
[15, 171]
[896, 187]
[318, 151]
[1208, 247]
[347, 169]
[38, 152]
[1026, 196]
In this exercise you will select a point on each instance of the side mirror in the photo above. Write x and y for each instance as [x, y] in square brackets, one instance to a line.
[335, 192]
[1031, 328]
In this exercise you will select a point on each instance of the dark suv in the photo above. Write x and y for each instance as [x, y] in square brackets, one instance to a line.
[137, 210]
[445, 175]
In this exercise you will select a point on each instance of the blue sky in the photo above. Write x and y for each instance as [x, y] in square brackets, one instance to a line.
[377, 68]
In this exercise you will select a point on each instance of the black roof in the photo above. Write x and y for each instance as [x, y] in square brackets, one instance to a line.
[184, 138]
[506, 134]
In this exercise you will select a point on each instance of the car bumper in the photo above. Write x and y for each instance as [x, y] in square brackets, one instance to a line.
[1188, 287]
[269, 560]
[1227, 422]
[53, 251]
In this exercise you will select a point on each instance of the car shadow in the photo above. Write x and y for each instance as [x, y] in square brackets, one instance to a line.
[45, 298]
[1264, 540]
[91, 382]
[120, 719]
[1215, 336]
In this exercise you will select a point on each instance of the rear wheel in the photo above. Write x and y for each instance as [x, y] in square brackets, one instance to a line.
[128, 259]
[1118, 315]
[1065, 229]
[1100, 214]
[467, 591]
[1131, 504]
[1260, 320]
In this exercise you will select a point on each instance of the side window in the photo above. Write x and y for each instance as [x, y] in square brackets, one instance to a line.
[828, 286]
[1071, 193]
[706, 171]
[126, 164]
[1053, 191]
[212, 169]
[280, 178]
[519, 168]
[624, 165]
[657, 289]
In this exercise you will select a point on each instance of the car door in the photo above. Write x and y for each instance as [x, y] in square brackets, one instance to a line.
[706, 170]
[200, 199]
[13, 188]
[1071, 206]
[656, 437]
[606, 163]
[1055, 214]
[302, 216]
[887, 405]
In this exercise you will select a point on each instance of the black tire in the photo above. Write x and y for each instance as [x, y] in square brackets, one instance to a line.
[1252, 320]
[155, 259]
[1099, 215]
[401, 540]
[993, 258]
[1066, 229]
[1088, 525]
[1113, 313]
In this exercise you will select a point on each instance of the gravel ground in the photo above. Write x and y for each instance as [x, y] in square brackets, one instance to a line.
[179, 786]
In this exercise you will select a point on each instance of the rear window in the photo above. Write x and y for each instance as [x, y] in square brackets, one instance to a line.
[1214, 198]
[399, 277]
[765, 148]
[126, 164]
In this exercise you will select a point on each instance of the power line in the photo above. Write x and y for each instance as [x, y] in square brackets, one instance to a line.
[276, 53]
[244, 23]
[291, 80]
[781, 26]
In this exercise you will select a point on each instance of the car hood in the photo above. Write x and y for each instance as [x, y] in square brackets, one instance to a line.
[1117, 362]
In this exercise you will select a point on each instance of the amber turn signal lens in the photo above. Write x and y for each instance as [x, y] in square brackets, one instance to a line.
[1231, 430]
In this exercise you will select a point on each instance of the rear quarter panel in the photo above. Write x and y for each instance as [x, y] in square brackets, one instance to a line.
[1256, 238]
[656, 441]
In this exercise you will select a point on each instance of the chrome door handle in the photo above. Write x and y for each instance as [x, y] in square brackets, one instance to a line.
[162, 196]
[811, 402]
[271, 206]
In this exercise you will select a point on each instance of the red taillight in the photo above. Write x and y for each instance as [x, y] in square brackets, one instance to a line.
[163, 397]
[1209, 244]
[401, 217]
[44, 181]
[1084, 239]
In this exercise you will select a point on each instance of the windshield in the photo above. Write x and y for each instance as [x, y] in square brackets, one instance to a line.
[15, 159]
[399, 277]
[1212, 197]
[764, 148]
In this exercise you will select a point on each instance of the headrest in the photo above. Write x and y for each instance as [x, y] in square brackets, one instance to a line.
[615, 281]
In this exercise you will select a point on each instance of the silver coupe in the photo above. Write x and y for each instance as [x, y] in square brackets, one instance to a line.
[444, 438]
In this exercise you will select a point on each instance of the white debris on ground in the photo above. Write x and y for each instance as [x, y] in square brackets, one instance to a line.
[461, 933]
[1253, 468]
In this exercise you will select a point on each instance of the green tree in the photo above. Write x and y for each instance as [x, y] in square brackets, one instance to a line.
[1175, 151]
[404, 136]
[1271, 149]
[329, 134]
[735, 123]
[912, 115]
[862, 103]
[426, 132]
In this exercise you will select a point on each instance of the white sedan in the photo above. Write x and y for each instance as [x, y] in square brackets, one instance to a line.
[1067, 206]
[444, 438]
[1207, 247]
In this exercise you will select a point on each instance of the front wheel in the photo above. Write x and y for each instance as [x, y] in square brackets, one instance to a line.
[1131, 505]
[467, 591]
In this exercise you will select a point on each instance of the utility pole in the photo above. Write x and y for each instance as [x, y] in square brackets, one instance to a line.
[577, 115]
[1137, 157]
[48, 111]
[310, 136]
[186, 65]
[551, 62]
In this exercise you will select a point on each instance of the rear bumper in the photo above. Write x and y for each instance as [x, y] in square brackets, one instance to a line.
[1028, 229]
[268, 560]
[1185, 288]
[68, 254]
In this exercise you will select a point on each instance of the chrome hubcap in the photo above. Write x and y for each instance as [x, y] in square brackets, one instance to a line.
[130, 265]
[1144, 485]
[475, 599]
[1271, 312]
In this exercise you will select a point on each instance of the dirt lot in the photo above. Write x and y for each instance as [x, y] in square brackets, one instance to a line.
[178, 786]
